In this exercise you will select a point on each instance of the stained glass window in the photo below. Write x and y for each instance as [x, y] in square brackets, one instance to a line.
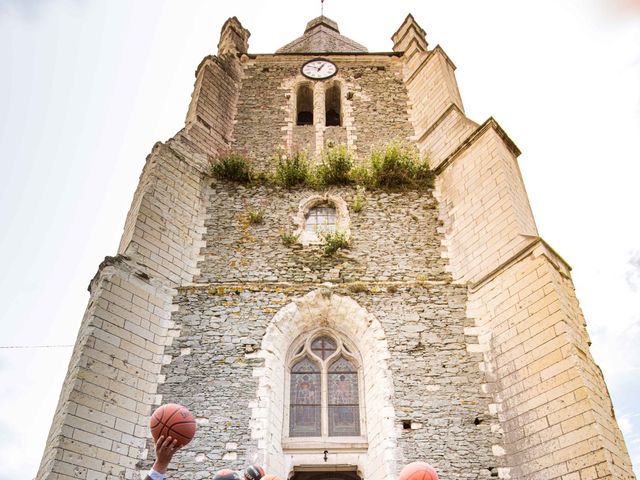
[316, 383]
[323, 347]
[321, 218]
[343, 399]
[306, 396]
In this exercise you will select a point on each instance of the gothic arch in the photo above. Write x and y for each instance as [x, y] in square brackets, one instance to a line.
[375, 458]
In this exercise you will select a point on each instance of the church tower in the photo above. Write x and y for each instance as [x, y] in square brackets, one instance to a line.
[447, 332]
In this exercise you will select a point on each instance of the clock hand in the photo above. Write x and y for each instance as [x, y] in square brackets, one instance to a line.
[320, 68]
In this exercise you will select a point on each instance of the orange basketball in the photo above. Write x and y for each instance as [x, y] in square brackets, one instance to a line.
[418, 471]
[173, 420]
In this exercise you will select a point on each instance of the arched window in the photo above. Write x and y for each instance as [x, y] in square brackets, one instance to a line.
[304, 105]
[321, 213]
[332, 106]
[324, 389]
[321, 218]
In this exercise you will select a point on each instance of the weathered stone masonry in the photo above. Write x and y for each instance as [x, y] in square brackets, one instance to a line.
[247, 275]
[374, 104]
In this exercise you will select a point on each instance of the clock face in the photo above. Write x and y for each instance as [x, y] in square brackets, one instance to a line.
[319, 69]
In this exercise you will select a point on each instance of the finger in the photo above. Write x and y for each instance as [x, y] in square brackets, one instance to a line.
[175, 445]
[167, 442]
[160, 439]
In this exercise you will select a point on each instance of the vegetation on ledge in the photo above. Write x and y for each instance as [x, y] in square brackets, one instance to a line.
[394, 166]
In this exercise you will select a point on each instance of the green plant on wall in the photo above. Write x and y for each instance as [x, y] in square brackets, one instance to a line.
[335, 166]
[232, 166]
[255, 216]
[359, 200]
[334, 241]
[398, 164]
[287, 238]
[291, 170]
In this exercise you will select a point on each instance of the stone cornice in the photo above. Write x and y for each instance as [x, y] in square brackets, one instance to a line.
[254, 56]
[518, 256]
[414, 48]
[216, 60]
[430, 55]
[440, 119]
[220, 287]
[489, 124]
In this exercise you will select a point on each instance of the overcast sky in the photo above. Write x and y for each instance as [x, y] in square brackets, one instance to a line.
[87, 87]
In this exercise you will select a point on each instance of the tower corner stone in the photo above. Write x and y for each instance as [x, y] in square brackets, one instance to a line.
[234, 38]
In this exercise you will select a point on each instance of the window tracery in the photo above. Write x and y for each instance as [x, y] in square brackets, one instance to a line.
[324, 389]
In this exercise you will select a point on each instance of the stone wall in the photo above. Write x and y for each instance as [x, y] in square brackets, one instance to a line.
[485, 209]
[394, 238]
[165, 223]
[374, 103]
[432, 88]
[437, 391]
[212, 111]
[553, 406]
[379, 105]
[100, 425]
[394, 273]
[552, 403]
[100, 428]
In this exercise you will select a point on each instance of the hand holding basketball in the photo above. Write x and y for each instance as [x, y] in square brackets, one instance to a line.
[418, 471]
[165, 448]
[175, 421]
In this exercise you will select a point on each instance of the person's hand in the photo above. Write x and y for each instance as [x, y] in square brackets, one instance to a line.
[165, 448]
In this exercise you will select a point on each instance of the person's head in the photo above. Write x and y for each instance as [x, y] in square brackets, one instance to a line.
[227, 474]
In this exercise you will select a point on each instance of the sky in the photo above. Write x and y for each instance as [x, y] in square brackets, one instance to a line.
[88, 86]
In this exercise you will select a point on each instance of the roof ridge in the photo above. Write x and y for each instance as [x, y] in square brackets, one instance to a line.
[322, 35]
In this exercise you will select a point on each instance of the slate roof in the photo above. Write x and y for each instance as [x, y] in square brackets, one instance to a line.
[322, 36]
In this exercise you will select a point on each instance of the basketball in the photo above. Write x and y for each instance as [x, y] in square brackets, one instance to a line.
[418, 471]
[227, 474]
[253, 472]
[173, 420]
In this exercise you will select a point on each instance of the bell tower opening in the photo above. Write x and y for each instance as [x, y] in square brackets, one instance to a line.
[304, 104]
[332, 106]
